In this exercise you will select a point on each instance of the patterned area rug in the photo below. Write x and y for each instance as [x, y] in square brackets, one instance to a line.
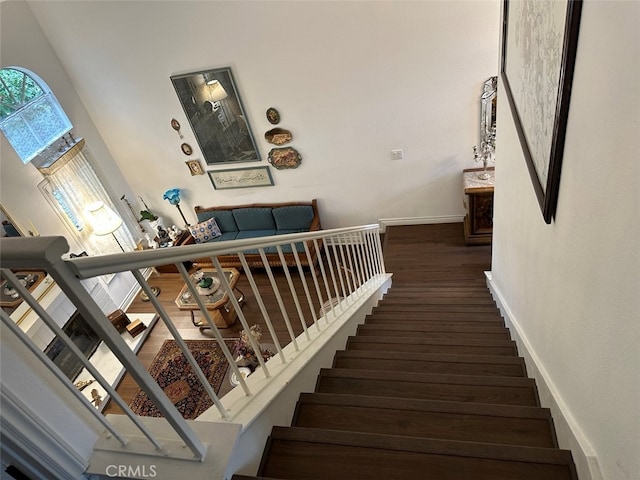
[175, 376]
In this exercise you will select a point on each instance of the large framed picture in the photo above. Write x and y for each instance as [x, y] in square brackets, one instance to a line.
[539, 42]
[212, 104]
[241, 178]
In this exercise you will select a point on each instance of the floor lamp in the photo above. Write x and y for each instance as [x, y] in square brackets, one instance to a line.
[104, 220]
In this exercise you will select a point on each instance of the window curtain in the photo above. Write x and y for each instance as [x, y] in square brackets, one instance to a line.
[70, 187]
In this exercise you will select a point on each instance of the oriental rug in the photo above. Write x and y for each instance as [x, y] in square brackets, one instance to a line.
[179, 382]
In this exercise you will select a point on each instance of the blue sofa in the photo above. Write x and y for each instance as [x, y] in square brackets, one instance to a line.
[259, 220]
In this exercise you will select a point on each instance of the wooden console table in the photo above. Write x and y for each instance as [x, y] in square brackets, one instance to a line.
[478, 222]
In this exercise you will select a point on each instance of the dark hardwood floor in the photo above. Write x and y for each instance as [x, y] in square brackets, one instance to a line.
[170, 285]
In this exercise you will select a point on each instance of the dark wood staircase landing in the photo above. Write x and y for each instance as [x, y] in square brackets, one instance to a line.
[431, 386]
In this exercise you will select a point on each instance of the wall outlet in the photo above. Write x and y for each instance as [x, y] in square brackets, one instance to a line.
[397, 154]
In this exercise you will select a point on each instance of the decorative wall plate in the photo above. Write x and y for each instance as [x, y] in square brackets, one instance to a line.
[273, 116]
[175, 124]
[287, 157]
[186, 149]
[278, 136]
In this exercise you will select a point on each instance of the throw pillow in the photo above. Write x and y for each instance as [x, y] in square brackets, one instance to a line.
[205, 231]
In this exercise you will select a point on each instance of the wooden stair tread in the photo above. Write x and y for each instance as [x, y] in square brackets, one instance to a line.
[424, 315]
[411, 404]
[428, 386]
[431, 363]
[410, 345]
[423, 300]
[434, 327]
[427, 377]
[405, 320]
[446, 307]
[296, 452]
[514, 425]
[419, 340]
[437, 330]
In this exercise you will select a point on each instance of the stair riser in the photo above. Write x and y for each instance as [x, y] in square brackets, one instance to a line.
[392, 329]
[434, 334]
[312, 461]
[394, 321]
[439, 316]
[499, 395]
[431, 367]
[448, 426]
[435, 300]
[407, 307]
[405, 349]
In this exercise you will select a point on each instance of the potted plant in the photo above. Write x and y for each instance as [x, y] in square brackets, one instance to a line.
[154, 220]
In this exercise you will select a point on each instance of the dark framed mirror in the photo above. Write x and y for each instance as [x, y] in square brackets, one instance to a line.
[214, 109]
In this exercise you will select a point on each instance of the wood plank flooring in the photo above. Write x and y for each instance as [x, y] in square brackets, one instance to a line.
[170, 285]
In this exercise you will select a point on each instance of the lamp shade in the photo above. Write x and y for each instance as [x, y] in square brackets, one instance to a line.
[102, 218]
[216, 91]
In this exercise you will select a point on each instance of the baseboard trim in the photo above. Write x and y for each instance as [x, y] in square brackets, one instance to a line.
[568, 431]
[389, 222]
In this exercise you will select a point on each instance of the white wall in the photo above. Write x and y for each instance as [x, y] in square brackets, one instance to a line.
[23, 44]
[572, 286]
[352, 80]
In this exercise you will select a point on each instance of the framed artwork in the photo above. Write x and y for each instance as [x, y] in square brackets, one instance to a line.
[212, 104]
[195, 167]
[241, 178]
[539, 42]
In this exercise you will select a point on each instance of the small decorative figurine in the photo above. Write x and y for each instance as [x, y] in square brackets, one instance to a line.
[96, 399]
[173, 234]
[163, 236]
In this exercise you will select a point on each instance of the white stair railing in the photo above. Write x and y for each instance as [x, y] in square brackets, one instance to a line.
[347, 260]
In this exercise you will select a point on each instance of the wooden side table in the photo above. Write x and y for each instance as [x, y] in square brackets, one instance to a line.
[218, 303]
[478, 222]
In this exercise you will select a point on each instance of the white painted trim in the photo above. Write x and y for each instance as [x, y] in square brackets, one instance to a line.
[388, 222]
[42, 451]
[135, 289]
[570, 435]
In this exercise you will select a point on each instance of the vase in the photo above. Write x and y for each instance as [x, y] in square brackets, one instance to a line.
[151, 226]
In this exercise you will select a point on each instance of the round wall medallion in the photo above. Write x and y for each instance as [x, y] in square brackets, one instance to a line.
[186, 149]
[273, 116]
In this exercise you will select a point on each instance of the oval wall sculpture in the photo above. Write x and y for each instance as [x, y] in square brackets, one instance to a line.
[278, 136]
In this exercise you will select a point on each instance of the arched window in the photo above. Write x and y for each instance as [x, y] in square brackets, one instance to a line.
[30, 116]
[37, 128]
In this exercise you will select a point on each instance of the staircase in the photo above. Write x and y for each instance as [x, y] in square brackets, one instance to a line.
[431, 386]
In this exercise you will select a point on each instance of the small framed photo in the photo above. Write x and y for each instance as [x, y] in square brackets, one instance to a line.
[195, 167]
[241, 178]
[186, 149]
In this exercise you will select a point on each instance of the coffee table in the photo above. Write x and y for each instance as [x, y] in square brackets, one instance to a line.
[218, 302]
